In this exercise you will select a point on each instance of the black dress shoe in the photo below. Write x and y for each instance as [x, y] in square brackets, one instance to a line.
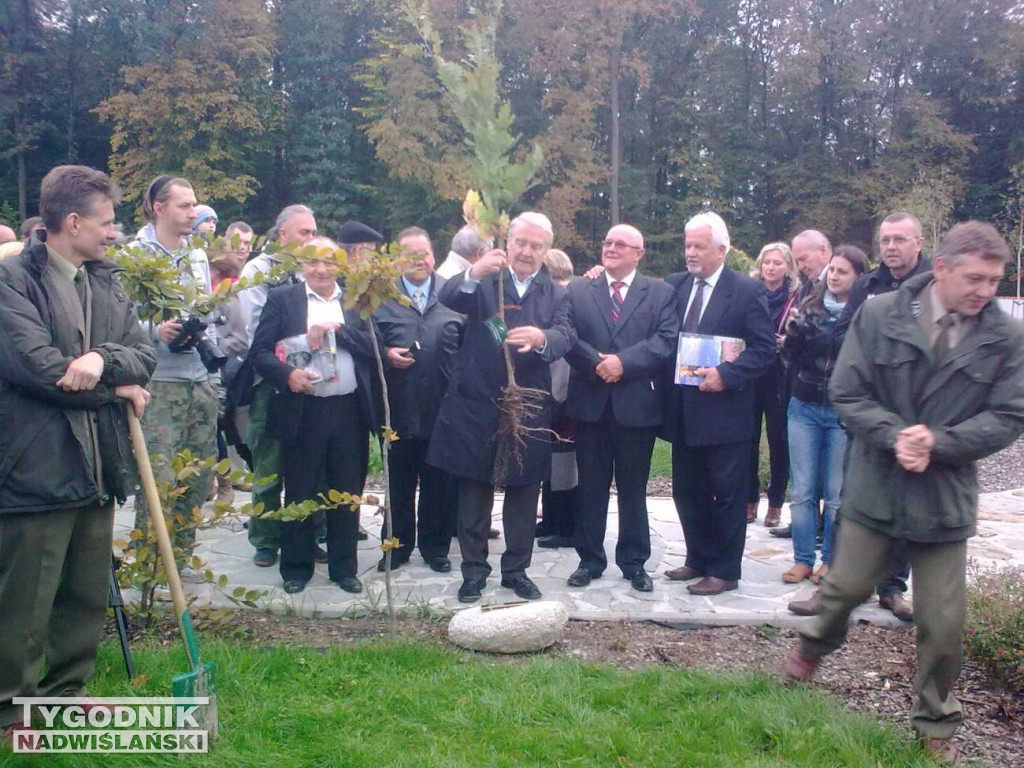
[494, 534]
[439, 564]
[362, 535]
[350, 584]
[782, 533]
[523, 587]
[470, 590]
[582, 577]
[319, 555]
[395, 563]
[555, 542]
[294, 585]
[265, 557]
[640, 581]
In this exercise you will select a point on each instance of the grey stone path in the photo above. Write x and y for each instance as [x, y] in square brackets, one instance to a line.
[760, 599]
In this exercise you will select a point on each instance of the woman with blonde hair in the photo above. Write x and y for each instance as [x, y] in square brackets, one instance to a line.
[776, 268]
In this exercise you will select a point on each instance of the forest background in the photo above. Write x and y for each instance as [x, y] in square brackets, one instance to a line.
[778, 114]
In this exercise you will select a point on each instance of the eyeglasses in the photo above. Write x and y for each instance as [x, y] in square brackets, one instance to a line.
[895, 240]
[619, 245]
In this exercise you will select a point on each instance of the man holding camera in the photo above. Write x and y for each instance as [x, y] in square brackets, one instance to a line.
[183, 411]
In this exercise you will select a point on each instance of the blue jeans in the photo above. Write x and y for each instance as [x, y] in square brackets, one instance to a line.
[816, 447]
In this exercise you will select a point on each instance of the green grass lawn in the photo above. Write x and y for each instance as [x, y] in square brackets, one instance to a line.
[417, 705]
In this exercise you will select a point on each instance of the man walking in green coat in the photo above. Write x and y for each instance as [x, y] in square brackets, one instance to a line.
[929, 380]
[71, 355]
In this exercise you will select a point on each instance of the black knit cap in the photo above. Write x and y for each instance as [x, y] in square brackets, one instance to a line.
[352, 232]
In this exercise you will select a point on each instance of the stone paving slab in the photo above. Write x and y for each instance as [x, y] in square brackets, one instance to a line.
[760, 599]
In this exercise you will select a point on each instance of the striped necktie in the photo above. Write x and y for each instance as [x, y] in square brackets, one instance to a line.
[617, 287]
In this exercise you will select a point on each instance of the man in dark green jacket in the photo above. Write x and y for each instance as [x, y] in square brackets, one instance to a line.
[929, 380]
[71, 355]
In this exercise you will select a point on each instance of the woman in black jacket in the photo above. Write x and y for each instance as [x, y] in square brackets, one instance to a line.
[817, 441]
[776, 268]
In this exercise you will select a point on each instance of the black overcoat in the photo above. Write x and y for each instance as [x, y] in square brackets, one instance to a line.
[464, 439]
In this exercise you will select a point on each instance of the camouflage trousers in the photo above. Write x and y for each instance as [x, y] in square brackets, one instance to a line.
[180, 415]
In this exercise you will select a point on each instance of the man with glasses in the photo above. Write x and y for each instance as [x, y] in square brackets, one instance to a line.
[899, 245]
[627, 326]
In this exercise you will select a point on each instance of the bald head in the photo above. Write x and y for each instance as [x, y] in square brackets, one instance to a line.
[7, 234]
[812, 252]
[622, 249]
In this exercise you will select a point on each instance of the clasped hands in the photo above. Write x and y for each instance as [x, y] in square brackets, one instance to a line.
[84, 374]
[914, 448]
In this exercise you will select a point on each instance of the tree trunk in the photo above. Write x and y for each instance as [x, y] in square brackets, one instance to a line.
[384, 454]
[613, 103]
[22, 183]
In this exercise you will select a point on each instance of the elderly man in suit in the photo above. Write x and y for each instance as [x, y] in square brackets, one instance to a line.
[627, 326]
[711, 426]
[421, 341]
[465, 441]
[321, 424]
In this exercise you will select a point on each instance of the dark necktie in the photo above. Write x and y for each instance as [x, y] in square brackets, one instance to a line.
[693, 316]
[617, 287]
[941, 346]
[80, 286]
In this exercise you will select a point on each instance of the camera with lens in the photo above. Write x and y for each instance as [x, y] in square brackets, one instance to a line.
[193, 336]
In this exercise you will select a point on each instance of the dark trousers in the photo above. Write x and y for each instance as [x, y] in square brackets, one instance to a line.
[54, 577]
[327, 457]
[710, 494]
[519, 516]
[603, 449]
[770, 405]
[407, 465]
[559, 510]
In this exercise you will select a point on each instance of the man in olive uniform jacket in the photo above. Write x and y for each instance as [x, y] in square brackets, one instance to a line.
[72, 354]
[929, 380]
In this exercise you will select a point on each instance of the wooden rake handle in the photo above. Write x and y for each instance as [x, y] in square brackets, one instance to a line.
[156, 512]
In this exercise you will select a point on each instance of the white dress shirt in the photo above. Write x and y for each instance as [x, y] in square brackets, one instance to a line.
[709, 287]
[320, 310]
[628, 280]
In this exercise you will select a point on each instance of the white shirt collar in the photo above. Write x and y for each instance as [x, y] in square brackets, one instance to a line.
[311, 294]
[712, 279]
[824, 273]
[628, 279]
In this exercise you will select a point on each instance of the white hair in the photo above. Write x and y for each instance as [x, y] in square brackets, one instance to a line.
[714, 222]
[537, 220]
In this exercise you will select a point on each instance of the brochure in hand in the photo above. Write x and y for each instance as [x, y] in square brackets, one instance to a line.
[321, 364]
[697, 350]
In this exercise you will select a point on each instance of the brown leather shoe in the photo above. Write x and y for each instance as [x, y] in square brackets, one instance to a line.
[711, 585]
[797, 573]
[685, 573]
[771, 520]
[751, 512]
[942, 751]
[901, 608]
[798, 668]
[809, 607]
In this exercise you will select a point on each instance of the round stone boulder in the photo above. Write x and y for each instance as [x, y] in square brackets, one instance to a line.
[516, 629]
